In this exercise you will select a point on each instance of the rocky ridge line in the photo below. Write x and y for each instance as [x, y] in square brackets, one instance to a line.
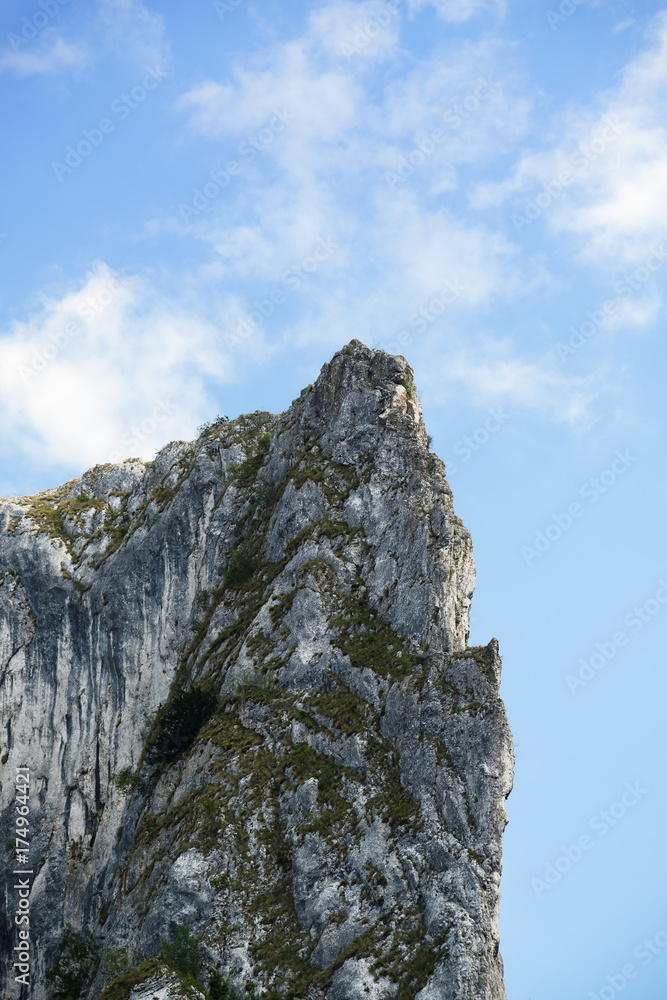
[320, 798]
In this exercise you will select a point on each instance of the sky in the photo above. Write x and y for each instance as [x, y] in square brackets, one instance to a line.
[202, 202]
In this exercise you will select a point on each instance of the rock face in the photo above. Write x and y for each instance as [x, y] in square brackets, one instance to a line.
[320, 799]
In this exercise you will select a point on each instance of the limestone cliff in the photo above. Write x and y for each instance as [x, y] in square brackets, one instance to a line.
[320, 797]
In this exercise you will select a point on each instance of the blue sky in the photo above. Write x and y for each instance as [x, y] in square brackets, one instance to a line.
[202, 203]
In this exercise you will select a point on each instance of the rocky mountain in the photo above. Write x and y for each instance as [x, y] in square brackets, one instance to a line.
[261, 756]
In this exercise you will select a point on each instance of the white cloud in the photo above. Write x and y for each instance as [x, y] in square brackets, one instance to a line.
[458, 10]
[131, 30]
[124, 27]
[624, 25]
[425, 249]
[493, 374]
[52, 55]
[318, 105]
[465, 93]
[635, 312]
[327, 170]
[615, 199]
[365, 31]
[82, 378]
[325, 174]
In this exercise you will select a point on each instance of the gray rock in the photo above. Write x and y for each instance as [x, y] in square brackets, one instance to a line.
[333, 829]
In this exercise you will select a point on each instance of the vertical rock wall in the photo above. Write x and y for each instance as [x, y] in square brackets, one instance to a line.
[320, 799]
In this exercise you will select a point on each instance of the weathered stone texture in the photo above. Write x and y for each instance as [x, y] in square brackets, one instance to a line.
[334, 830]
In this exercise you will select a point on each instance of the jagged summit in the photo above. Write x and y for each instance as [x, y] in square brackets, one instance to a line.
[355, 396]
[258, 716]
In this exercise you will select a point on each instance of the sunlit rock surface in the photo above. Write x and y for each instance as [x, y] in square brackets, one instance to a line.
[333, 828]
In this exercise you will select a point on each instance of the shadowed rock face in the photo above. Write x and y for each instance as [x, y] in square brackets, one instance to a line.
[321, 798]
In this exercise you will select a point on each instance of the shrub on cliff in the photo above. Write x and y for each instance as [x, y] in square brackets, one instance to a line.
[183, 953]
[242, 563]
[177, 723]
[77, 958]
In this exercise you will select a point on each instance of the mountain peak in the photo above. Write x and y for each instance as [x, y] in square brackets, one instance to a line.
[264, 742]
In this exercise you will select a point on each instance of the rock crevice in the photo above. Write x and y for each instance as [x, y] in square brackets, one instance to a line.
[240, 678]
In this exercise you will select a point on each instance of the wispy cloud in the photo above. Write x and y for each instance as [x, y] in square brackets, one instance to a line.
[458, 10]
[624, 25]
[615, 198]
[89, 364]
[126, 28]
[326, 172]
[320, 177]
[132, 31]
[359, 33]
[51, 55]
[398, 244]
[493, 374]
